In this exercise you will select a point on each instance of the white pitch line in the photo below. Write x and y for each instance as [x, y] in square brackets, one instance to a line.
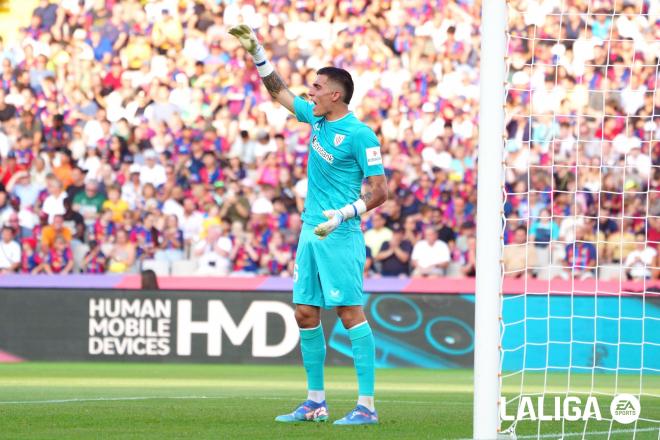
[103, 399]
[138, 398]
[587, 434]
[560, 436]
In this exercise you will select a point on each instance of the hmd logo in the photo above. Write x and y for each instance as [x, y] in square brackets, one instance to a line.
[219, 322]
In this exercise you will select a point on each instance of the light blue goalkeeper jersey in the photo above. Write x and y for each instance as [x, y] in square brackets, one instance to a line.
[341, 154]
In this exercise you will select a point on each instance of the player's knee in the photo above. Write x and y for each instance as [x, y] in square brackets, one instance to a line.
[306, 318]
[351, 316]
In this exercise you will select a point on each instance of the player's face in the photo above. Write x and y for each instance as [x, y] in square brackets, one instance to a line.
[323, 95]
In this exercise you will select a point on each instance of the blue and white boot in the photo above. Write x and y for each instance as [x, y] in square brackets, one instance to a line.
[359, 416]
[308, 411]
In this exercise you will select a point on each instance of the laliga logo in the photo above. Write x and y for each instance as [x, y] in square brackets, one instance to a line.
[570, 409]
[625, 409]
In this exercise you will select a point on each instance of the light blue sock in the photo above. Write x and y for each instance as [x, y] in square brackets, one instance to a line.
[312, 347]
[364, 357]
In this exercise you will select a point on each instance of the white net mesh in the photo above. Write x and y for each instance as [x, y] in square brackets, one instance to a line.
[581, 308]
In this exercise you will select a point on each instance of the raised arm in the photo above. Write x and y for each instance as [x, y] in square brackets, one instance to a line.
[271, 79]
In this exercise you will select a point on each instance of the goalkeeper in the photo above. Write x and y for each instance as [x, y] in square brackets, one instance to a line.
[331, 251]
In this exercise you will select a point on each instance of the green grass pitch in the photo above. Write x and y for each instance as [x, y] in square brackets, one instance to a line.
[170, 401]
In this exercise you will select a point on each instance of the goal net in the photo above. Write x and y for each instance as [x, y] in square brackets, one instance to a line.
[579, 298]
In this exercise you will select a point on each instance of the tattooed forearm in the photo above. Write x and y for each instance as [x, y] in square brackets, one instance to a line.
[368, 193]
[274, 84]
[367, 197]
[375, 192]
[279, 91]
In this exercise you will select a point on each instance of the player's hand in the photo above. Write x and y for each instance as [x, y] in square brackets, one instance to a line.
[335, 218]
[246, 37]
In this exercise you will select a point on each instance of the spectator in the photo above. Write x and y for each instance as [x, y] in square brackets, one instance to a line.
[54, 203]
[56, 229]
[121, 256]
[167, 32]
[7, 111]
[148, 280]
[73, 221]
[279, 256]
[519, 256]
[63, 170]
[170, 247]
[47, 12]
[152, 172]
[247, 253]
[430, 256]
[446, 232]
[394, 255]
[378, 234]
[77, 184]
[115, 204]
[639, 262]
[410, 230]
[89, 203]
[59, 259]
[235, 207]
[9, 168]
[213, 253]
[23, 189]
[131, 190]
[30, 259]
[368, 262]
[543, 231]
[10, 252]
[580, 257]
[191, 222]
[468, 259]
[95, 260]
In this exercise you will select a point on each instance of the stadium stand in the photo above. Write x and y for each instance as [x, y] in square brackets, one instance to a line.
[142, 130]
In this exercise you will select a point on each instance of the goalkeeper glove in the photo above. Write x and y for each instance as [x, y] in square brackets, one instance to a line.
[337, 216]
[246, 37]
[249, 41]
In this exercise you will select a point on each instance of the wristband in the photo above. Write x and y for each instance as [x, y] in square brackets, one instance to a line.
[354, 209]
[264, 67]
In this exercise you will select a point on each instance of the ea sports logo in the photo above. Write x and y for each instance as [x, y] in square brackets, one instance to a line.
[625, 408]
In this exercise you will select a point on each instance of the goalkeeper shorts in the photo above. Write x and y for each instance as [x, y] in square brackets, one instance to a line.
[328, 272]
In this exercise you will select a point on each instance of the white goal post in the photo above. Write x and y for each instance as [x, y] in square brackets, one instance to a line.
[489, 227]
[569, 145]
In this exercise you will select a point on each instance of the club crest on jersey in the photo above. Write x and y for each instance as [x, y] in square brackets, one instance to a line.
[339, 138]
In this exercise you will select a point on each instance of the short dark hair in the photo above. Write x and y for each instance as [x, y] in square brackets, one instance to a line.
[341, 77]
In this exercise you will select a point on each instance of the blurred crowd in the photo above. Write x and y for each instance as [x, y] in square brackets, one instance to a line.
[136, 134]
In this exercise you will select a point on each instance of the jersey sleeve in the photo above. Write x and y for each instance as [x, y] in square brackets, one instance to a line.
[303, 110]
[367, 152]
